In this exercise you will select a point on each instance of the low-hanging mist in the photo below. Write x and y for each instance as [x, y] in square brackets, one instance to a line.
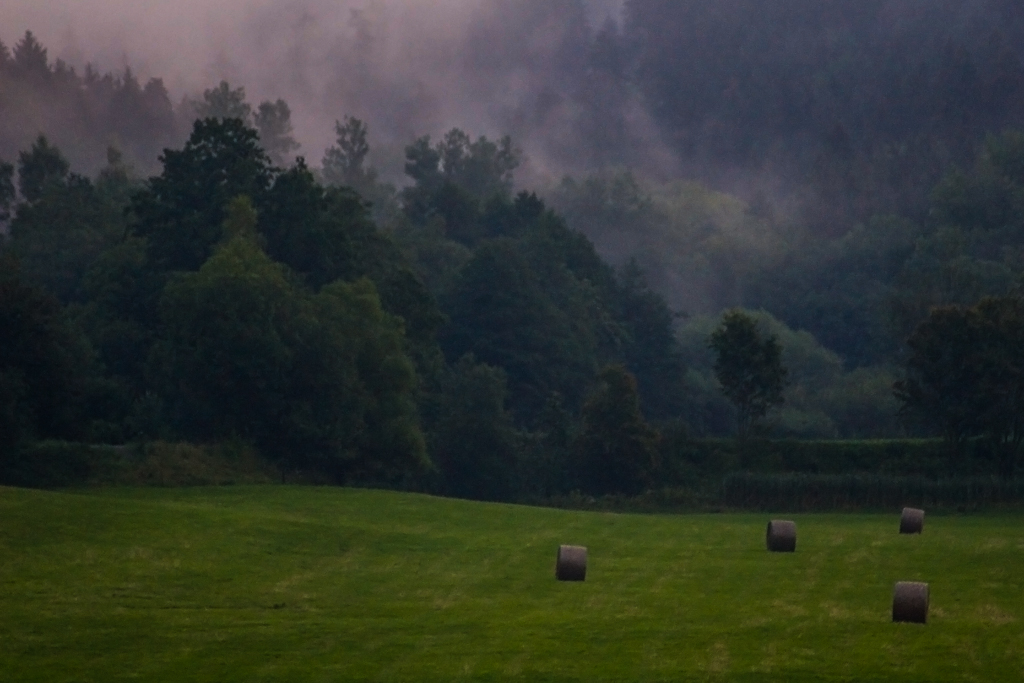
[408, 67]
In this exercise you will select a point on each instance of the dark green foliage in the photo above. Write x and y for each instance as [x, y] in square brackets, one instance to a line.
[269, 347]
[48, 464]
[7, 193]
[749, 367]
[63, 464]
[327, 234]
[387, 447]
[324, 234]
[1002, 378]
[547, 459]
[222, 352]
[60, 234]
[482, 168]
[810, 493]
[273, 120]
[39, 168]
[43, 366]
[422, 163]
[965, 375]
[454, 178]
[181, 211]
[316, 380]
[650, 349]
[987, 199]
[842, 290]
[942, 374]
[532, 297]
[867, 99]
[714, 458]
[616, 450]
[473, 441]
[500, 312]
[119, 316]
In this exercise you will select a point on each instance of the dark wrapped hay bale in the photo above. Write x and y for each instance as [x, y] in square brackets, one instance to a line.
[572, 563]
[910, 602]
[781, 536]
[912, 521]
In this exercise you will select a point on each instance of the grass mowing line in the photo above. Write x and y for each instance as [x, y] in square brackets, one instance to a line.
[281, 583]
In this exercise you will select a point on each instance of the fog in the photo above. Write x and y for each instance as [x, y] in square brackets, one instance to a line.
[408, 67]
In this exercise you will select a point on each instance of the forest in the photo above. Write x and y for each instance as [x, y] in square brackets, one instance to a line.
[833, 256]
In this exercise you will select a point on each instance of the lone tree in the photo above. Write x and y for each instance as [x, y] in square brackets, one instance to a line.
[748, 365]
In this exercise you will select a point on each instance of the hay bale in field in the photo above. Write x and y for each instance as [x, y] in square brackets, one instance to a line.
[572, 563]
[912, 521]
[910, 602]
[781, 536]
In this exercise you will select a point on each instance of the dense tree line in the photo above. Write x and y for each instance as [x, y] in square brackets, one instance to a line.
[460, 335]
[228, 297]
[965, 376]
[82, 112]
[860, 295]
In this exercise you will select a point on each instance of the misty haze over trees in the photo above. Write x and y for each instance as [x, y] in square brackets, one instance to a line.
[513, 308]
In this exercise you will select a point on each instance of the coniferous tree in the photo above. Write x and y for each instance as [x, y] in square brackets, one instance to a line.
[40, 167]
[273, 120]
[224, 102]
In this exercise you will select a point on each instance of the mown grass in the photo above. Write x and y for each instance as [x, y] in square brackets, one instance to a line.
[307, 584]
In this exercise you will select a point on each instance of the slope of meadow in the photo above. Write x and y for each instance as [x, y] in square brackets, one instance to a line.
[306, 584]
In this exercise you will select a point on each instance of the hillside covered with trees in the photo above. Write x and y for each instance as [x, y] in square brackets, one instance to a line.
[847, 189]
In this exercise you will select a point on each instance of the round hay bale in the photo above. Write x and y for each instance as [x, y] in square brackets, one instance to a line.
[910, 602]
[572, 563]
[781, 536]
[912, 521]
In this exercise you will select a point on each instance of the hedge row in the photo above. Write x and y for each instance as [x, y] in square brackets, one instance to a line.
[905, 457]
[824, 492]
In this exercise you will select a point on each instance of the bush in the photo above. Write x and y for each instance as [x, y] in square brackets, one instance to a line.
[923, 457]
[161, 463]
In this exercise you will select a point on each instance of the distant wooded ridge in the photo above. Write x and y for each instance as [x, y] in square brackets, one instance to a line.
[462, 335]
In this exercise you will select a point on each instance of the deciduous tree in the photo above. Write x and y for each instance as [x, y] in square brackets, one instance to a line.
[748, 365]
[181, 211]
[965, 376]
[616, 449]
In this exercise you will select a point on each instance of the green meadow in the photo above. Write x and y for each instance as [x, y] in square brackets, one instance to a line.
[312, 584]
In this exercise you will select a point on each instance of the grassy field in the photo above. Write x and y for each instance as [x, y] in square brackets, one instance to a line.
[307, 584]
